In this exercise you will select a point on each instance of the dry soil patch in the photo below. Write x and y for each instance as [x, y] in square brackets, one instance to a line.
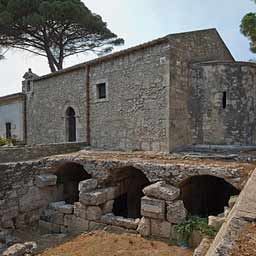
[106, 244]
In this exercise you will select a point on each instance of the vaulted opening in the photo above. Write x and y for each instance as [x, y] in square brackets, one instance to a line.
[71, 124]
[69, 175]
[131, 182]
[206, 195]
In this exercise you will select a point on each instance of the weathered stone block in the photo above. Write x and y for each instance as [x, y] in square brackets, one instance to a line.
[88, 185]
[67, 220]
[176, 212]
[47, 215]
[33, 195]
[108, 207]
[15, 250]
[161, 190]
[152, 208]
[80, 210]
[120, 221]
[96, 226]
[45, 226]
[216, 222]
[56, 228]
[144, 227]
[66, 209]
[93, 213]
[160, 228]
[45, 180]
[78, 225]
[58, 218]
[56, 205]
[99, 196]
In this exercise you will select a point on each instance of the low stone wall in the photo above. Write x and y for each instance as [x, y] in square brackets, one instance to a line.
[15, 154]
[242, 214]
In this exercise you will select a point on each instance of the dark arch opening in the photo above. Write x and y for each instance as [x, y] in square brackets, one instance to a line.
[206, 195]
[71, 124]
[68, 176]
[131, 182]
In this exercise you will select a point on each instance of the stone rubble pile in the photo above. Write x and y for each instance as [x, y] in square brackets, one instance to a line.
[19, 249]
[161, 210]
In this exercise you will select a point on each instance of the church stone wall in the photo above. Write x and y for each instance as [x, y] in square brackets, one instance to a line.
[223, 103]
[186, 49]
[134, 115]
[47, 104]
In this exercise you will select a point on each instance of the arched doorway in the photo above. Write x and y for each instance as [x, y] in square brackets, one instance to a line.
[131, 182]
[71, 124]
[68, 177]
[206, 195]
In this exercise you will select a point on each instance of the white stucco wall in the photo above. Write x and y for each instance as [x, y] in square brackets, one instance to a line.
[12, 113]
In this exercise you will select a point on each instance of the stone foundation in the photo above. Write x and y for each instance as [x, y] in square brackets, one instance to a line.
[29, 192]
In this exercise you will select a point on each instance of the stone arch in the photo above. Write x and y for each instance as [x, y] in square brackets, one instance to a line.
[69, 175]
[130, 182]
[206, 195]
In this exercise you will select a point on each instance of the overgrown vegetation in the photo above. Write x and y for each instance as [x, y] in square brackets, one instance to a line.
[194, 223]
[248, 28]
[3, 141]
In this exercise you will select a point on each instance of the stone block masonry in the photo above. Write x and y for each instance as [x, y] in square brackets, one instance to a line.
[223, 104]
[159, 215]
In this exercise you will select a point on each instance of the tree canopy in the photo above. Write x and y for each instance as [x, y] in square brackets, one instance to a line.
[54, 29]
[248, 28]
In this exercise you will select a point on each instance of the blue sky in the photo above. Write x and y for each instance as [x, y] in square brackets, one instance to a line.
[138, 21]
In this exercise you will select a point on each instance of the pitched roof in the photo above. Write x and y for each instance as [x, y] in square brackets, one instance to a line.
[12, 97]
[130, 50]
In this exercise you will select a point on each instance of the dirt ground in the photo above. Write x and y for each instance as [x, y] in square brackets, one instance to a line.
[246, 243]
[107, 244]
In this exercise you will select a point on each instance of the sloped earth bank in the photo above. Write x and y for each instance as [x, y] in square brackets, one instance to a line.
[106, 244]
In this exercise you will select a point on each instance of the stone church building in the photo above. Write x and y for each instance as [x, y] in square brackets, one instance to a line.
[180, 90]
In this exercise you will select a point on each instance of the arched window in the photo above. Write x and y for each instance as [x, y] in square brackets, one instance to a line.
[71, 124]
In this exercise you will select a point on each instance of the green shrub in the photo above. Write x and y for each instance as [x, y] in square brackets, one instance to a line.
[3, 141]
[196, 223]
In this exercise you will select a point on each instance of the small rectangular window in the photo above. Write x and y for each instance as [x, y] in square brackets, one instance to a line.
[8, 127]
[28, 86]
[224, 100]
[101, 91]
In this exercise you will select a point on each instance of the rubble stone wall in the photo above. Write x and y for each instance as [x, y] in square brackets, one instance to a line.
[17, 154]
[223, 103]
[134, 114]
[47, 104]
